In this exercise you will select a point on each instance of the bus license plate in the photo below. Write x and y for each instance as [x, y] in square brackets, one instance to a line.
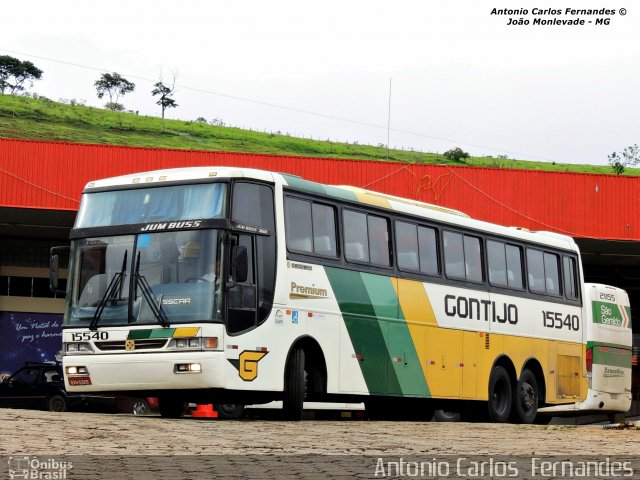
[79, 380]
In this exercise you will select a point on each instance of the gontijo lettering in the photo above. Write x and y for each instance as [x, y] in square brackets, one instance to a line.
[486, 310]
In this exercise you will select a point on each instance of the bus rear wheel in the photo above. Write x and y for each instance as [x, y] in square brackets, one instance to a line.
[526, 398]
[294, 388]
[500, 395]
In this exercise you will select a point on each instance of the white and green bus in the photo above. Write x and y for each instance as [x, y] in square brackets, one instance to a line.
[240, 286]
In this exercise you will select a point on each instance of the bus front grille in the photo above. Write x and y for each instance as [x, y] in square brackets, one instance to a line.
[146, 344]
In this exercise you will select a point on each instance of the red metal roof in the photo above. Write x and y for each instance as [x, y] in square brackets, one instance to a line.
[52, 175]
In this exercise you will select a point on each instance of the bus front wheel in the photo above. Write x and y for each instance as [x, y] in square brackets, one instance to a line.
[526, 398]
[500, 395]
[294, 388]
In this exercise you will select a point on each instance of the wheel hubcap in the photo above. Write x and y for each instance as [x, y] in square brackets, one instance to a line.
[528, 396]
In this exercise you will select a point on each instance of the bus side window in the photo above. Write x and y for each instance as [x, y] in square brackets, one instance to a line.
[356, 242]
[407, 245]
[570, 277]
[535, 269]
[453, 255]
[497, 263]
[297, 217]
[378, 229]
[472, 258]
[514, 266]
[428, 249]
[324, 230]
[551, 273]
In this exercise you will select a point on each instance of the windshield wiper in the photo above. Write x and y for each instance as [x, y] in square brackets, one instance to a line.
[147, 293]
[113, 293]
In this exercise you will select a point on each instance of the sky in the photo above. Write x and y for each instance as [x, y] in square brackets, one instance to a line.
[427, 74]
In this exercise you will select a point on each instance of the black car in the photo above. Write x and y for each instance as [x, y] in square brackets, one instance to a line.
[41, 386]
[36, 385]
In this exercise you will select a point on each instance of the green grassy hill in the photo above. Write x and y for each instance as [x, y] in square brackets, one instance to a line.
[45, 120]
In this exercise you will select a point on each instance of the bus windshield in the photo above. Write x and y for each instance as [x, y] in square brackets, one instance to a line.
[163, 277]
[144, 205]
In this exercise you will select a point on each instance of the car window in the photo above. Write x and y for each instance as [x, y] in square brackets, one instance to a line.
[51, 376]
[26, 375]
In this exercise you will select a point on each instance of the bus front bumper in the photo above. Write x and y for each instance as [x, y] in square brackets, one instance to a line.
[140, 372]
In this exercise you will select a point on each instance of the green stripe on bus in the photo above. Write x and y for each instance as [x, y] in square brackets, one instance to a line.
[150, 333]
[341, 194]
[162, 332]
[366, 332]
[628, 312]
[613, 358]
[404, 361]
[607, 313]
[139, 334]
[307, 186]
[591, 344]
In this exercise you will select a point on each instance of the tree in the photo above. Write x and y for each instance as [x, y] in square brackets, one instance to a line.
[629, 157]
[14, 73]
[115, 86]
[456, 155]
[165, 93]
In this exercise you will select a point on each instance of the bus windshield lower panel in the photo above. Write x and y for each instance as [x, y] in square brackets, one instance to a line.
[145, 279]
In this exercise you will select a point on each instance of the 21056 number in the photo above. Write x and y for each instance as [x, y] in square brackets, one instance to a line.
[559, 321]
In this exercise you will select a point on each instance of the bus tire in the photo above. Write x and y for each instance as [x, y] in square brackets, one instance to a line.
[294, 388]
[57, 403]
[447, 416]
[171, 407]
[375, 409]
[500, 395]
[230, 411]
[526, 398]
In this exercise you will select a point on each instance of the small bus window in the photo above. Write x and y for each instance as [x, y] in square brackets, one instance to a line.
[407, 244]
[570, 277]
[378, 228]
[514, 266]
[453, 255]
[324, 230]
[497, 263]
[356, 242]
[551, 273]
[535, 269]
[428, 248]
[472, 259]
[297, 216]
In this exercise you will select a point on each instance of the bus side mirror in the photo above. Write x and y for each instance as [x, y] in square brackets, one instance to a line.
[239, 264]
[54, 274]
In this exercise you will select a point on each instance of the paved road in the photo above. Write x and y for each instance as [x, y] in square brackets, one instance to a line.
[263, 449]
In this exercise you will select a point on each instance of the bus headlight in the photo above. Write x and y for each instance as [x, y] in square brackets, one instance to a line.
[81, 347]
[195, 343]
[187, 368]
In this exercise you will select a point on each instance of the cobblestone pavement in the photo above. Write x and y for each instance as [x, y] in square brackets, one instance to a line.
[123, 438]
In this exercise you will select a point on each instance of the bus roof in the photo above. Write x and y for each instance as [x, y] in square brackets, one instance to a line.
[339, 192]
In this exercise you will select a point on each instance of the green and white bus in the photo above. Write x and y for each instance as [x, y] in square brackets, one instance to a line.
[240, 286]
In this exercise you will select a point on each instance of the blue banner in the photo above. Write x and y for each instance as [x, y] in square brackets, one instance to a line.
[28, 337]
